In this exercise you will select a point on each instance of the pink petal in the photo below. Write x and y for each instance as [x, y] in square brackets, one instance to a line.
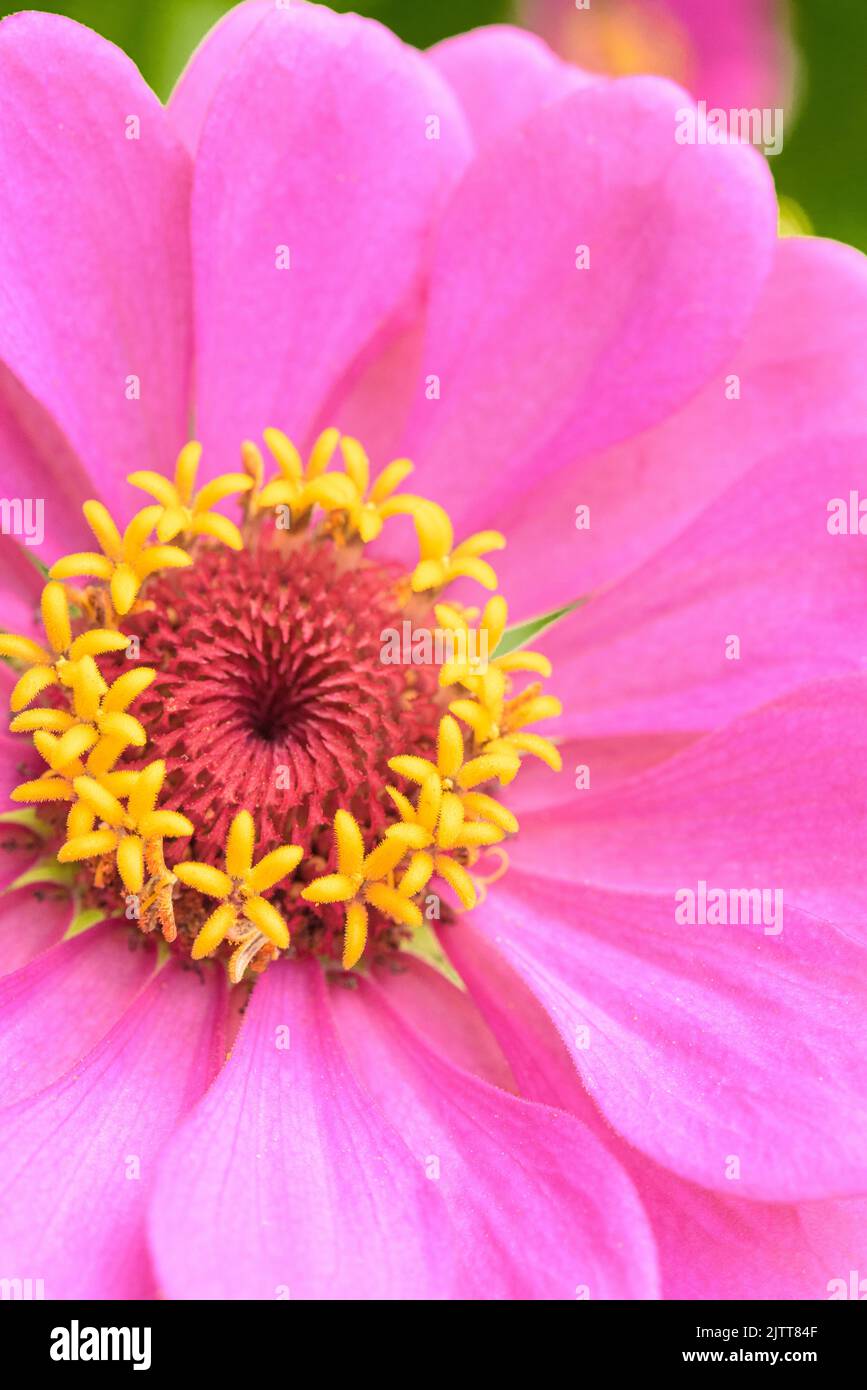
[502, 75]
[758, 569]
[41, 471]
[707, 1047]
[535, 1206]
[191, 98]
[713, 1247]
[710, 1246]
[73, 995]
[18, 760]
[541, 1063]
[315, 142]
[29, 924]
[372, 400]
[111, 296]
[801, 374]
[777, 799]
[19, 851]
[77, 1160]
[604, 761]
[20, 590]
[294, 1185]
[540, 362]
[448, 1020]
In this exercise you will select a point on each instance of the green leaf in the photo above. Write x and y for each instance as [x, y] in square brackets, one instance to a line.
[34, 560]
[522, 633]
[424, 945]
[83, 920]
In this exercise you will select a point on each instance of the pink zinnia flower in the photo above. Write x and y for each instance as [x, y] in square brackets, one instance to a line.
[587, 337]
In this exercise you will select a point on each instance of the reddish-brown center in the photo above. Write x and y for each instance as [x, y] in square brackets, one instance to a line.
[271, 695]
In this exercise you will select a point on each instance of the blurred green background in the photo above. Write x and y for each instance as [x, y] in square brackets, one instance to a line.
[823, 164]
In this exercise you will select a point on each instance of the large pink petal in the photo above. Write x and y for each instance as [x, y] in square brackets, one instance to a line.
[315, 141]
[502, 76]
[31, 921]
[77, 1161]
[42, 473]
[540, 362]
[776, 799]
[709, 1245]
[758, 568]
[801, 377]
[72, 995]
[733, 1057]
[294, 1185]
[94, 264]
[373, 399]
[536, 1206]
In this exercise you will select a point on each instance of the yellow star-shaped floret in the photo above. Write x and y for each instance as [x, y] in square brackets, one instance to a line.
[297, 486]
[440, 560]
[475, 648]
[105, 708]
[371, 506]
[440, 820]
[186, 512]
[365, 880]
[499, 724]
[63, 663]
[126, 561]
[240, 889]
[64, 758]
[124, 830]
[451, 772]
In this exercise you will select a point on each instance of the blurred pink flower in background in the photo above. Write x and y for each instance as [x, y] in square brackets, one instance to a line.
[729, 53]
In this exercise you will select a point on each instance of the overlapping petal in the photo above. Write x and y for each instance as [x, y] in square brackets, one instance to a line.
[318, 174]
[502, 75]
[752, 599]
[295, 1184]
[71, 995]
[716, 1049]
[535, 1205]
[94, 262]
[77, 1160]
[777, 799]
[30, 921]
[796, 379]
[710, 1245]
[543, 354]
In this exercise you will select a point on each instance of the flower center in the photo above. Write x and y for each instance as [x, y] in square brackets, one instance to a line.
[233, 752]
[270, 689]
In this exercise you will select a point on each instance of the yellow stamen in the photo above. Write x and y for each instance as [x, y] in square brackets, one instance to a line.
[241, 888]
[182, 512]
[126, 561]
